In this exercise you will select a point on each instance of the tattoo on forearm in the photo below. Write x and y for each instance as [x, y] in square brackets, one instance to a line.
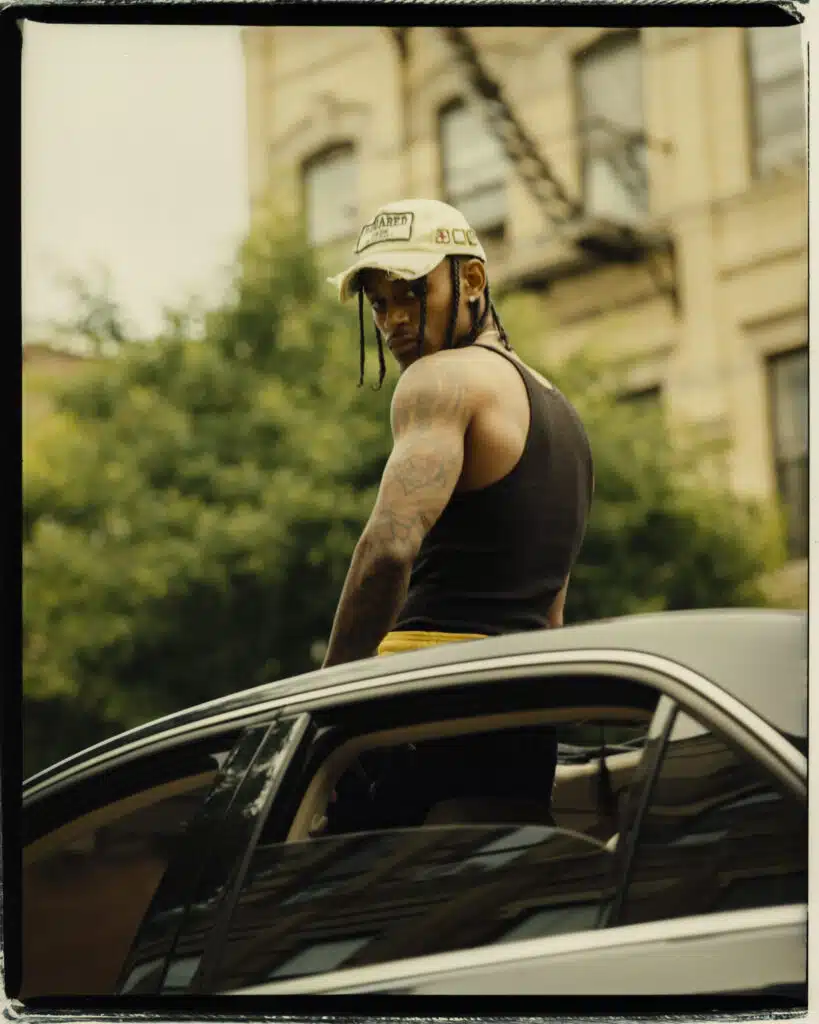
[369, 605]
[420, 476]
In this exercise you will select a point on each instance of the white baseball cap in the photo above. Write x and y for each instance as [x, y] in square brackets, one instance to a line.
[408, 239]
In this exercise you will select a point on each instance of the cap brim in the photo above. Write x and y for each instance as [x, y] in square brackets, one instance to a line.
[400, 263]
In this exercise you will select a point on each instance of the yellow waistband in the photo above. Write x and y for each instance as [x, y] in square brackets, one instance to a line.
[396, 643]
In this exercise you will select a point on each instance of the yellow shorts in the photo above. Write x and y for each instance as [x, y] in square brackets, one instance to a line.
[397, 643]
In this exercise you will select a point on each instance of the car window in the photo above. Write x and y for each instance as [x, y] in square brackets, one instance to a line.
[569, 774]
[719, 833]
[316, 906]
[149, 961]
[217, 883]
[95, 856]
[434, 837]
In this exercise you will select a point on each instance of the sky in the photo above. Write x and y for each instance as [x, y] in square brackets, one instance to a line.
[134, 160]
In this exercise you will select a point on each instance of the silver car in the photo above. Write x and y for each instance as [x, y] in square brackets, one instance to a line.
[609, 809]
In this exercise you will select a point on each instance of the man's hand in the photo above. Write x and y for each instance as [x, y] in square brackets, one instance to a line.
[430, 416]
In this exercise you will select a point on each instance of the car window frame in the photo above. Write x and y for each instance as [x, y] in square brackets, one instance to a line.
[639, 799]
[732, 739]
[252, 799]
[684, 687]
[185, 872]
[315, 714]
[693, 690]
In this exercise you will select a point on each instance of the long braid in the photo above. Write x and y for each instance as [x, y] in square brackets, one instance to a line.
[474, 320]
[500, 328]
[455, 271]
[421, 288]
[361, 334]
[490, 306]
[382, 366]
[477, 319]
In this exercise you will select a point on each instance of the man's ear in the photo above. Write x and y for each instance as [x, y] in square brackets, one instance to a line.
[474, 278]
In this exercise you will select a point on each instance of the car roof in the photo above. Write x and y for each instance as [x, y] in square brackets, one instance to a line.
[758, 656]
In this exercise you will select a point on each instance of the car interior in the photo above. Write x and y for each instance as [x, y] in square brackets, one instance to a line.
[99, 872]
[510, 767]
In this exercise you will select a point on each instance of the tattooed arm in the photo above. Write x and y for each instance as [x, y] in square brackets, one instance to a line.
[430, 415]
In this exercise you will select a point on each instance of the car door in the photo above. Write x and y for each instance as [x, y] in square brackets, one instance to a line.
[734, 954]
[307, 903]
[104, 850]
[735, 757]
[713, 897]
[721, 836]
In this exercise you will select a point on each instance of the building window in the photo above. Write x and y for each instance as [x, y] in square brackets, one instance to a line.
[609, 86]
[777, 87]
[473, 166]
[331, 195]
[788, 377]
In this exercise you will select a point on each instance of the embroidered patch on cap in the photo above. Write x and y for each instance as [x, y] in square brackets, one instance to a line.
[442, 236]
[385, 227]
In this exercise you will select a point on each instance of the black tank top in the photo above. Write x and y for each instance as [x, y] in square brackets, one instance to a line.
[497, 557]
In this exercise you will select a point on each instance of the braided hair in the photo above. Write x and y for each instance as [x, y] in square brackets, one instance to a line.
[455, 276]
[361, 336]
[496, 320]
[421, 288]
[382, 365]
[477, 320]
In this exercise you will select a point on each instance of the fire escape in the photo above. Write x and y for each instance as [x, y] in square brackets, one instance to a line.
[587, 241]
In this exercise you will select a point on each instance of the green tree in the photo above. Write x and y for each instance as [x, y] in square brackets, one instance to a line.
[191, 510]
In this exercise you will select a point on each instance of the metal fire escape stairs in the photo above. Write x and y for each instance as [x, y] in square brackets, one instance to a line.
[594, 240]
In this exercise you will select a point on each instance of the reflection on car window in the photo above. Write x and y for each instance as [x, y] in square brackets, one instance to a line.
[718, 834]
[88, 883]
[508, 848]
[554, 921]
[320, 957]
[224, 863]
[412, 892]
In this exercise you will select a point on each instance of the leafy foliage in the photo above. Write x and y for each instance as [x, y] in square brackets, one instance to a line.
[191, 510]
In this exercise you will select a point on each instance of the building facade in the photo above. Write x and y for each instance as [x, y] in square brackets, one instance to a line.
[691, 138]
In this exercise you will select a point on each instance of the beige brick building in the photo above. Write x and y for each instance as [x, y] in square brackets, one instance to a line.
[693, 139]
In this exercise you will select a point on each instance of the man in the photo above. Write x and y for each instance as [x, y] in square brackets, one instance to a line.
[483, 503]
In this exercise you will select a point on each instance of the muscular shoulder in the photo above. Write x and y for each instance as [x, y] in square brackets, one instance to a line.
[440, 388]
